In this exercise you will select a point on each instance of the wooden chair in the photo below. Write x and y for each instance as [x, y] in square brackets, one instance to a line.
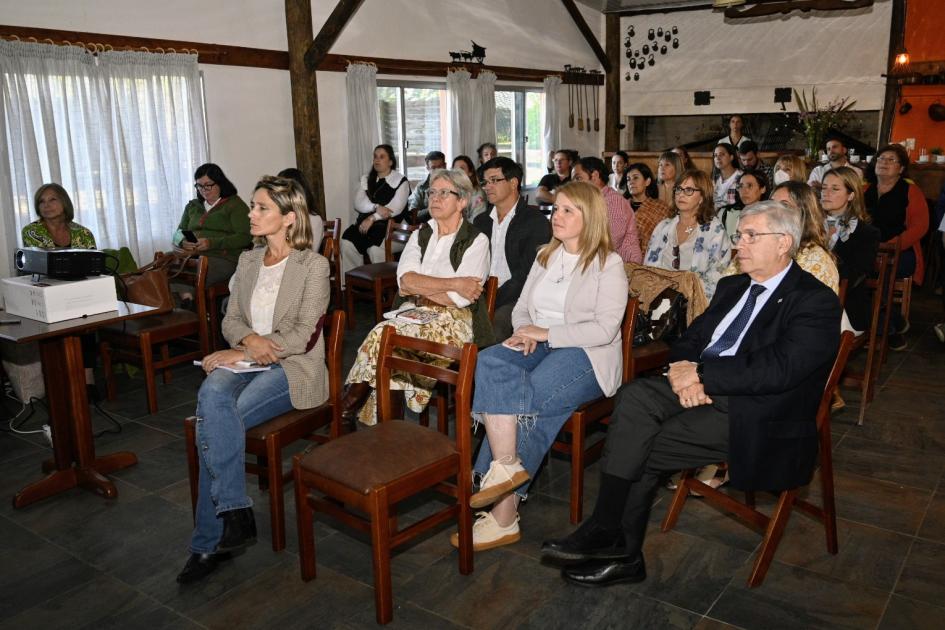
[377, 467]
[331, 249]
[874, 340]
[133, 341]
[901, 288]
[377, 282]
[894, 252]
[267, 440]
[598, 410]
[774, 525]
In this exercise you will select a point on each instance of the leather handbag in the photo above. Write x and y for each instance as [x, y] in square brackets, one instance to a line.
[666, 320]
[150, 285]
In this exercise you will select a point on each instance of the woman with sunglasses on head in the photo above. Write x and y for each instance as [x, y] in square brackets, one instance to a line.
[219, 220]
[693, 238]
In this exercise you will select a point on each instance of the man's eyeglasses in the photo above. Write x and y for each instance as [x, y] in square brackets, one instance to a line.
[492, 181]
[688, 192]
[750, 237]
[205, 187]
[887, 160]
[435, 193]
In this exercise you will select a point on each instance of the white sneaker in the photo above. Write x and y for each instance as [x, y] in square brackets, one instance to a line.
[939, 331]
[500, 480]
[488, 534]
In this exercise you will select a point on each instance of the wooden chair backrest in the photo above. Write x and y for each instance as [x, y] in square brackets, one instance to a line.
[334, 350]
[459, 374]
[839, 365]
[491, 290]
[194, 273]
[333, 228]
[397, 233]
[627, 330]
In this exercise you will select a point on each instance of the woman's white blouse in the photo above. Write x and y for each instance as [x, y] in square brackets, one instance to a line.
[551, 291]
[265, 292]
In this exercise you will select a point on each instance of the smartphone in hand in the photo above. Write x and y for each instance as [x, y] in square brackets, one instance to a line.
[512, 346]
[189, 236]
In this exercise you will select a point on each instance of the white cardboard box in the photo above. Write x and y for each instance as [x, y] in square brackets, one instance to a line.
[51, 300]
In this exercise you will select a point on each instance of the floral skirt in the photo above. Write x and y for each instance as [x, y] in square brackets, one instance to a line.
[453, 326]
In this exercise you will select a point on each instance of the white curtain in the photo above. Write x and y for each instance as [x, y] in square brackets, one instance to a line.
[122, 132]
[463, 117]
[364, 121]
[486, 88]
[551, 130]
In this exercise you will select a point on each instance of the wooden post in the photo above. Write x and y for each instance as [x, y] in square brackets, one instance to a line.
[308, 145]
[612, 83]
[897, 36]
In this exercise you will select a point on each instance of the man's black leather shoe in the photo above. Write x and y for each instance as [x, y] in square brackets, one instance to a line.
[200, 565]
[239, 530]
[606, 572]
[587, 542]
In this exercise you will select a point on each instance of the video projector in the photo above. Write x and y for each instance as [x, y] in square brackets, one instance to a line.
[60, 263]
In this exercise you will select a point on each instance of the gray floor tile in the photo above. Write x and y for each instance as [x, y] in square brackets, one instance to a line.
[923, 577]
[907, 614]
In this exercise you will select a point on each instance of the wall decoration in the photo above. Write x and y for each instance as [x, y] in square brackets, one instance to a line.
[645, 55]
[477, 54]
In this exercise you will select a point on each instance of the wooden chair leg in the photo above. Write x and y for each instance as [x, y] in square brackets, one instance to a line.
[679, 500]
[464, 520]
[349, 303]
[380, 549]
[193, 468]
[276, 497]
[906, 297]
[829, 508]
[147, 366]
[779, 520]
[378, 301]
[165, 356]
[577, 470]
[304, 522]
[105, 350]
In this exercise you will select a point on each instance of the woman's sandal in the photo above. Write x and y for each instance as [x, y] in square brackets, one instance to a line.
[714, 476]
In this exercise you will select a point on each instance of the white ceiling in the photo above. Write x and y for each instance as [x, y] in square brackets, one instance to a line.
[630, 5]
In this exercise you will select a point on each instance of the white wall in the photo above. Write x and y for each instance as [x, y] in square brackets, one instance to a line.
[249, 110]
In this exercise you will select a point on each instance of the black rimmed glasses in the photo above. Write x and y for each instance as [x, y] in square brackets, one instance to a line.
[205, 187]
[440, 193]
[492, 181]
[688, 192]
[750, 237]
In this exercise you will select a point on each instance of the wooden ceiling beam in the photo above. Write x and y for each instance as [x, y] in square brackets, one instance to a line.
[331, 29]
[587, 33]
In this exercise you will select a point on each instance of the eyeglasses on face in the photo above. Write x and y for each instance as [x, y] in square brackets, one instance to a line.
[492, 181]
[688, 192]
[750, 237]
[888, 160]
[441, 193]
[205, 187]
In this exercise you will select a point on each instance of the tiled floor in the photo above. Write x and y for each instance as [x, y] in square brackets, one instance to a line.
[78, 560]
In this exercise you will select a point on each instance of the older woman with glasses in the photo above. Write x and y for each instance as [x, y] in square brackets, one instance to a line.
[900, 213]
[440, 274]
[219, 220]
[692, 238]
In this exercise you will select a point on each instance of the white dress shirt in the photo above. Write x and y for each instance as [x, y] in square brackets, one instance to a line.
[265, 293]
[436, 262]
[500, 266]
[770, 285]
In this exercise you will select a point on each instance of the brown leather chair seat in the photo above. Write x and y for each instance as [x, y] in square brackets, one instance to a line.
[374, 271]
[378, 455]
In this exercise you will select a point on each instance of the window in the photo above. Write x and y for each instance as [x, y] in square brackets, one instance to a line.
[414, 120]
[518, 126]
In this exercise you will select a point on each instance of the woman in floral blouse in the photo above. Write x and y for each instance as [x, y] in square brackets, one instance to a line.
[55, 227]
[692, 238]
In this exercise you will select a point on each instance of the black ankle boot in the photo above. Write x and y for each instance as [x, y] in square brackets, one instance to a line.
[199, 566]
[239, 530]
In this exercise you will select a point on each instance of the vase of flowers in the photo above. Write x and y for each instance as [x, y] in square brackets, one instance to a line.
[816, 119]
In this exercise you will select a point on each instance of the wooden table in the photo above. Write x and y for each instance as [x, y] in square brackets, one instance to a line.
[74, 463]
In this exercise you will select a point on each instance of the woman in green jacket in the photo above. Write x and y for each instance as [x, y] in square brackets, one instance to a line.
[220, 221]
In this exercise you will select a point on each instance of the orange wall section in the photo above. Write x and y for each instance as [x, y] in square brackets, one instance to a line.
[925, 25]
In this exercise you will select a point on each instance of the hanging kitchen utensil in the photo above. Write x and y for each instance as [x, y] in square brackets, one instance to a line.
[587, 108]
[570, 104]
[577, 91]
[596, 100]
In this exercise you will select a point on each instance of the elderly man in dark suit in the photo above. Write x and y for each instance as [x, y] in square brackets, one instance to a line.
[515, 233]
[743, 386]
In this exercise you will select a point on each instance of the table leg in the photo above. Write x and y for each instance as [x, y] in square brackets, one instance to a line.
[74, 463]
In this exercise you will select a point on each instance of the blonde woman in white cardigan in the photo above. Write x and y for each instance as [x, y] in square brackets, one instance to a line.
[565, 351]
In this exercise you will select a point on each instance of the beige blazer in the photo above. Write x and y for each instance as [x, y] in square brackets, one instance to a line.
[593, 312]
[302, 300]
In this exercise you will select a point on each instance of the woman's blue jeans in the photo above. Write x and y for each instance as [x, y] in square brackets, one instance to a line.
[227, 405]
[542, 390]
